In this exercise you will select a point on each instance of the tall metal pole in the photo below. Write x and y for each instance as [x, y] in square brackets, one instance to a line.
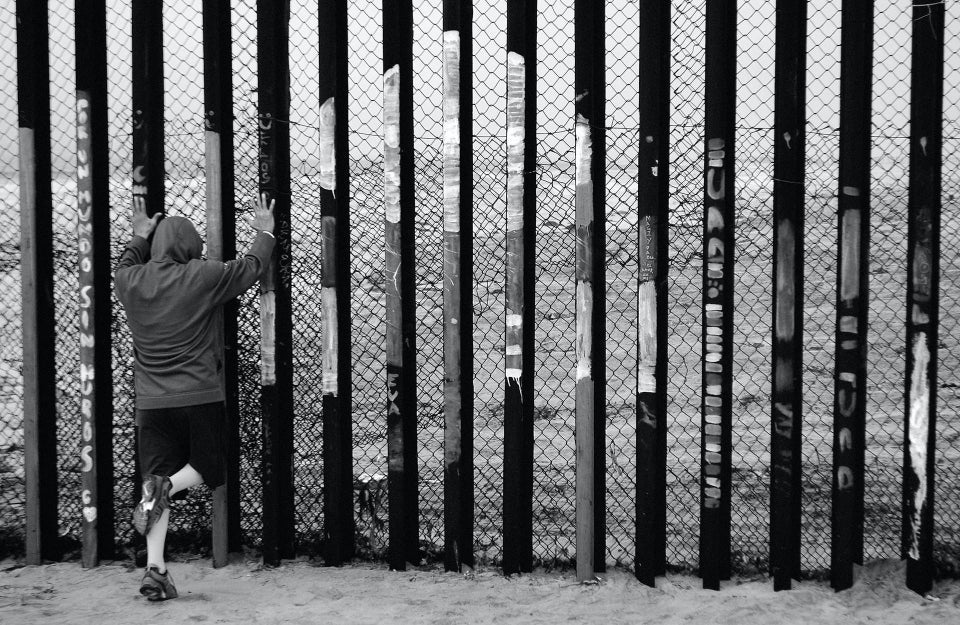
[93, 230]
[520, 304]
[221, 245]
[788, 209]
[653, 193]
[590, 86]
[853, 227]
[718, 266]
[400, 287]
[36, 266]
[923, 292]
[273, 70]
[458, 283]
[335, 282]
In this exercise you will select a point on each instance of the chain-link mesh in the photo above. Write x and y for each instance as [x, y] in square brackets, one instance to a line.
[554, 471]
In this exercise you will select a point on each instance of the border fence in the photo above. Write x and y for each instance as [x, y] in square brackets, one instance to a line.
[641, 284]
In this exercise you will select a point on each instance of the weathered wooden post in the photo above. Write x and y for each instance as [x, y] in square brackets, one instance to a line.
[520, 304]
[399, 282]
[93, 228]
[458, 283]
[590, 87]
[853, 227]
[923, 292]
[653, 193]
[273, 70]
[222, 245]
[788, 210]
[718, 266]
[338, 521]
[36, 267]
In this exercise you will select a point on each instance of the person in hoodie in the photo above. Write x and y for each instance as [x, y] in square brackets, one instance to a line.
[173, 300]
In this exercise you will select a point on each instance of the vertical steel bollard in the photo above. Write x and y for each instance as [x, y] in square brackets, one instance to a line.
[221, 245]
[338, 521]
[273, 72]
[457, 166]
[39, 325]
[589, 86]
[853, 227]
[923, 292]
[399, 283]
[93, 228]
[718, 266]
[787, 354]
[653, 193]
[520, 281]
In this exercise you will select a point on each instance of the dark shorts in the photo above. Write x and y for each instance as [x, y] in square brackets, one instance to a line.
[169, 438]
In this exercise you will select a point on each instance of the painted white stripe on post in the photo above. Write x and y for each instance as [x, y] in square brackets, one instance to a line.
[391, 143]
[451, 131]
[328, 155]
[919, 433]
[328, 366]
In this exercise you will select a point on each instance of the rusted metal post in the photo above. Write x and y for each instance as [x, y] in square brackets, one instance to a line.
[338, 521]
[93, 233]
[520, 304]
[221, 245]
[787, 355]
[853, 227]
[718, 266]
[273, 71]
[36, 267]
[458, 283]
[923, 292]
[653, 193]
[401, 336]
[589, 87]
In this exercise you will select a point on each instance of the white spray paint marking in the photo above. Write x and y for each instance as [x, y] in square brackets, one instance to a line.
[514, 350]
[268, 338]
[919, 432]
[451, 131]
[516, 100]
[328, 155]
[584, 330]
[786, 291]
[328, 300]
[514, 321]
[391, 143]
[647, 337]
[851, 191]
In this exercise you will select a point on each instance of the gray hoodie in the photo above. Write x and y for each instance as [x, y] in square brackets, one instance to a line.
[173, 300]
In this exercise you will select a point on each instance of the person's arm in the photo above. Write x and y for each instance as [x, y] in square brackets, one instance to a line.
[236, 276]
[137, 251]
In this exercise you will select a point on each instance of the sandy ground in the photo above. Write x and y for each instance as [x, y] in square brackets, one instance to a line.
[298, 592]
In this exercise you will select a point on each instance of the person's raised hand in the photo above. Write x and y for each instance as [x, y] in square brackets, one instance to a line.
[262, 218]
[143, 226]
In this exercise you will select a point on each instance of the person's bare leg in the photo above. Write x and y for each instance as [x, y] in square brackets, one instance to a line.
[185, 478]
[156, 539]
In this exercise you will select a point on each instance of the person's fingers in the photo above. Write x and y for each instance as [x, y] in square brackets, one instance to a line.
[273, 203]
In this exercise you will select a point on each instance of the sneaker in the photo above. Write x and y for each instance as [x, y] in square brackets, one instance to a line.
[155, 499]
[157, 586]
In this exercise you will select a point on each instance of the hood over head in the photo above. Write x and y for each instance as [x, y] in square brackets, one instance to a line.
[176, 238]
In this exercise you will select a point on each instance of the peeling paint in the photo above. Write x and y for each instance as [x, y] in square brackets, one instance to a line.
[786, 290]
[328, 367]
[328, 155]
[919, 434]
[584, 151]
[391, 143]
[268, 339]
[850, 244]
[451, 131]
[647, 337]
[584, 330]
